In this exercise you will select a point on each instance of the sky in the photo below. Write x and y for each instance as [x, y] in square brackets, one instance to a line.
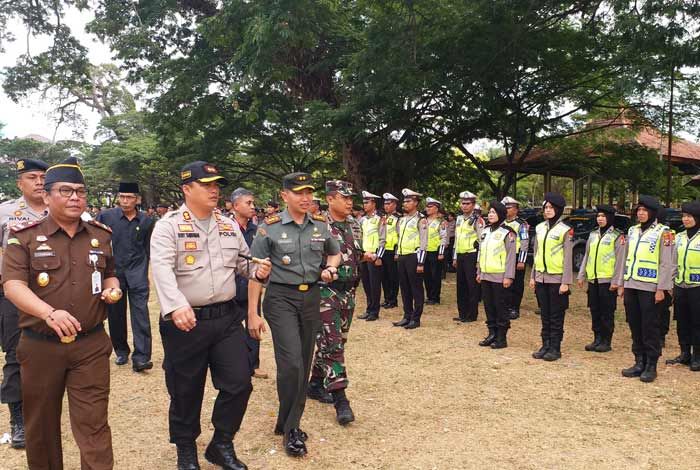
[32, 116]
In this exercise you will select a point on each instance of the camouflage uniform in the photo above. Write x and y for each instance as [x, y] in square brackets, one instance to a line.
[337, 307]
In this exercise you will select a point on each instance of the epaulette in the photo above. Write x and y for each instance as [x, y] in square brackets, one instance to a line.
[318, 217]
[273, 219]
[171, 214]
[100, 224]
[508, 228]
[25, 225]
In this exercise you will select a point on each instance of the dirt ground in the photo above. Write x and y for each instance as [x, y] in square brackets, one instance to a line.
[431, 398]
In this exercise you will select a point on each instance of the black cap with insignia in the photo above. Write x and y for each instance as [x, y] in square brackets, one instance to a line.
[68, 171]
[341, 187]
[297, 182]
[201, 172]
[25, 165]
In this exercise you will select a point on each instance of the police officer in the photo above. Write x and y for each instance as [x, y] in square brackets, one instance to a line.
[649, 270]
[522, 230]
[197, 255]
[373, 240]
[435, 251]
[687, 288]
[390, 278]
[329, 373]
[467, 228]
[27, 208]
[296, 243]
[603, 265]
[412, 230]
[552, 274]
[131, 238]
[495, 272]
[59, 272]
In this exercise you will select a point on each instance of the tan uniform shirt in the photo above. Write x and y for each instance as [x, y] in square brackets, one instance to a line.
[43, 253]
[194, 265]
[13, 213]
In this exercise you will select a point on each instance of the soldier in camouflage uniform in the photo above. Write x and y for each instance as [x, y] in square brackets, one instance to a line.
[328, 377]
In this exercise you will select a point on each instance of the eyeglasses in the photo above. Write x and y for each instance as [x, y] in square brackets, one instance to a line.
[67, 191]
[467, 203]
[126, 196]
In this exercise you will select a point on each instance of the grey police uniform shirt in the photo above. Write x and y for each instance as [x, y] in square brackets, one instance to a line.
[194, 262]
[618, 270]
[667, 265]
[15, 212]
[567, 277]
[296, 251]
[511, 255]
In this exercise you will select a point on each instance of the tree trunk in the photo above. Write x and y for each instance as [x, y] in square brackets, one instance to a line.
[352, 163]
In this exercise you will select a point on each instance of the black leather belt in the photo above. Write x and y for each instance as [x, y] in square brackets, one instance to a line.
[66, 339]
[217, 310]
[299, 287]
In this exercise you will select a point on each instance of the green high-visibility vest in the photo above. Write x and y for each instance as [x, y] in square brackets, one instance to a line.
[550, 247]
[465, 236]
[370, 233]
[392, 236]
[434, 235]
[688, 258]
[601, 254]
[409, 239]
[643, 253]
[492, 251]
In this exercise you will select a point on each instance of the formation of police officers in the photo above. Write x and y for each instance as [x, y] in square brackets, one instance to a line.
[63, 276]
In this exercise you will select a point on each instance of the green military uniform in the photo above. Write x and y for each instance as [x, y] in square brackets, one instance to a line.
[292, 302]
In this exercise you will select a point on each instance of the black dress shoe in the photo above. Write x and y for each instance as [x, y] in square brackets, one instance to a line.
[302, 434]
[224, 455]
[372, 317]
[402, 322]
[469, 320]
[17, 438]
[293, 443]
[187, 457]
[363, 316]
[430, 302]
[412, 325]
[121, 359]
[459, 319]
[141, 366]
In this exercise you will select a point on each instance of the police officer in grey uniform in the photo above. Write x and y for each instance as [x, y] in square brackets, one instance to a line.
[196, 256]
[295, 242]
[27, 208]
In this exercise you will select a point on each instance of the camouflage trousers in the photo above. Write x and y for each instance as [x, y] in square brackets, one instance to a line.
[337, 308]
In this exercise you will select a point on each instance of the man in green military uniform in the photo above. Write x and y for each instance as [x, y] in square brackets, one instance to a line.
[337, 305]
[296, 244]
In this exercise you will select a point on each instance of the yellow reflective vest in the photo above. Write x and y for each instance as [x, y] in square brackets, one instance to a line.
[392, 236]
[688, 251]
[370, 233]
[550, 247]
[492, 251]
[601, 254]
[409, 238]
[434, 238]
[465, 235]
[643, 251]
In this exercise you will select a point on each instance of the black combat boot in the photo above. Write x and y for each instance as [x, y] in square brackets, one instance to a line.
[316, 391]
[187, 457]
[16, 425]
[554, 352]
[489, 339]
[683, 357]
[514, 313]
[695, 358]
[596, 341]
[500, 341]
[539, 354]
[224, 455]
[649, 374]
[343, 412]
[605, 344]
[637, 369]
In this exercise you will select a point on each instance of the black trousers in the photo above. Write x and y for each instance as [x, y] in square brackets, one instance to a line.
[411, 287]
[514, 294]
[140, 321]
[494, 296]
[11, 388]
[372, 284]
[602, 303]
[553, 307]
[644, 318]
[665, 324]
[295, 319]
[686, 310]
[433, 276]
[468, 290]
[449, 252]
[390, 279]
[217, 345]
[251, 343]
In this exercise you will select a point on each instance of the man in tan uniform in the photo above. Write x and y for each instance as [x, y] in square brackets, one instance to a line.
[195, 256]
[59, 272]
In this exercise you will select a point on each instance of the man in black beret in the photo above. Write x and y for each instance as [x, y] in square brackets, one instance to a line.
[131, 237]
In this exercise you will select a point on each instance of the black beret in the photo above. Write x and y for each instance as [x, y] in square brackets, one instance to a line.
[555, 199]
[692, 208]
[650, 202]
[499, 208]
[68, 171]
[605, 209]
[25, 165]
[129, 188]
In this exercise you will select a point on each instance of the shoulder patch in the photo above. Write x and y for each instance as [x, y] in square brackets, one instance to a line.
[669, 238]
[171, 214]
[13, 241]
[273, 219]
[623, 239]
[262, 232]
[100, 224]
[25, 225]
[318, 217]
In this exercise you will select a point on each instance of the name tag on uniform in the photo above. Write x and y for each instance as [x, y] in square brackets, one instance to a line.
[191, 246]
[185, 227]
[96, 275]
